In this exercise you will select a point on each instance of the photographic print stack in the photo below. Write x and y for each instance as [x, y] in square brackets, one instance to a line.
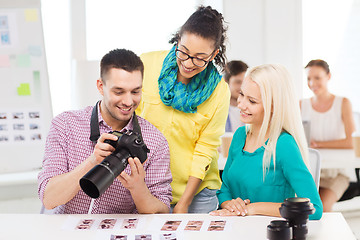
[144, 227]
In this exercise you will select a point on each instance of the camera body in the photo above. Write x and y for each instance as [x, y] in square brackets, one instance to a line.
[132, 142]
[100, 177]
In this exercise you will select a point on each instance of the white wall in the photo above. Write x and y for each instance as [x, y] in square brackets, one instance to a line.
[266, 31]
[84, 72]
[335, 40]
[260, 31]
[56, 24]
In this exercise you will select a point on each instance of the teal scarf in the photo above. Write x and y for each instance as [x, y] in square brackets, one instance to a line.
[187, 97]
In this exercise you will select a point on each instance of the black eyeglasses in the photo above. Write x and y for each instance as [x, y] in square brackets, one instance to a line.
[196, 61]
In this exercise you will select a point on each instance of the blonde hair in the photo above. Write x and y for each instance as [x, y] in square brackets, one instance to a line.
[281, 110]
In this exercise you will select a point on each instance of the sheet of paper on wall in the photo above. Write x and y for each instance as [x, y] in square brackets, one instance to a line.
[23, 60]
[35, 50]
[4, 61]
[31, 15]
[37, 86]
[24, 89]
[20, 126]
[4, 22]
[8, 30]
[5, 39]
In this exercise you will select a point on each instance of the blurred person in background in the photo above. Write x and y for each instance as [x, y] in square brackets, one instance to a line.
[331, 126]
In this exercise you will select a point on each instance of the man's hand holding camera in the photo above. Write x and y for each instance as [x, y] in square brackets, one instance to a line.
[131, 182]
[102, 149]
[134, 181]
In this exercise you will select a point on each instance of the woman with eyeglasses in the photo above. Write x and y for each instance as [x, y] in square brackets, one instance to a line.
[185, 97]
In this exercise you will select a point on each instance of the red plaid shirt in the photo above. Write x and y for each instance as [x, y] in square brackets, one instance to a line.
[68, 145]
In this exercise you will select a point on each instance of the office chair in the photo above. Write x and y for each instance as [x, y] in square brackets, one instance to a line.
[315, 165]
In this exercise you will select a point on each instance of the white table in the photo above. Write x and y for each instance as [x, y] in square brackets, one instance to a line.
[39, 226]
[330, 158]
[339, 158]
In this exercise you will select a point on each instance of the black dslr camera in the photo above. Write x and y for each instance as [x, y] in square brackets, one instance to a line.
[100, 177]
[296, 211]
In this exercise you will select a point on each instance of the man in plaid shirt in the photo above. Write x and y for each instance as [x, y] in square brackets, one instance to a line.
[70, 154]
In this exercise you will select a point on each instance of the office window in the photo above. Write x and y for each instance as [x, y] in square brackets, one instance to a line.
[138, 25]
[331, 31]
[56, 25]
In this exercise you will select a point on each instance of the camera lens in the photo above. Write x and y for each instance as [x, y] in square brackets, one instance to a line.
[278, 230]
[297, 211]
[95, 180]
[129, 144]
[98, 179]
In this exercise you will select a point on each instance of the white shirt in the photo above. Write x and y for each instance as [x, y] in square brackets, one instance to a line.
[325, 126]
[234, 116]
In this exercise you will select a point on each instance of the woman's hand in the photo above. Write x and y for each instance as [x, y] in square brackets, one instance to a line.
[180, 208]
[235, 206]
[313, 144]
[222, 212]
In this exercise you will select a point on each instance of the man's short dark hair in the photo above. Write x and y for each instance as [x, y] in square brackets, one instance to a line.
[121, 59]
[234, 68]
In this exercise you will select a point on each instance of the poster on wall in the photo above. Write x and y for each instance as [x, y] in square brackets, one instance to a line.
[25, 103]
[21, 126]
[8, 30]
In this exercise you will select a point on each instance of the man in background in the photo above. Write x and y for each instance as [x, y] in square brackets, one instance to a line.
[234, 76]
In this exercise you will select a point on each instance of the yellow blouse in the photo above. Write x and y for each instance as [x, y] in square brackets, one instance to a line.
[193, 137]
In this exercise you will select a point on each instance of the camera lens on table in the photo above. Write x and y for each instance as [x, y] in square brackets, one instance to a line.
[278, 230]
[296, 211]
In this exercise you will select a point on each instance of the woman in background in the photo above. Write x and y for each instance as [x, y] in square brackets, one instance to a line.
[331, 125]
[268, 157]
[185, 97]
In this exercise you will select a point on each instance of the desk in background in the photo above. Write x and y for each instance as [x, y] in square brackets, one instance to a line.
[330, 158]
[338, 158]
[45, 227]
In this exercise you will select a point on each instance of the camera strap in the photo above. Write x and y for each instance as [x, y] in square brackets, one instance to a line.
[94, 125]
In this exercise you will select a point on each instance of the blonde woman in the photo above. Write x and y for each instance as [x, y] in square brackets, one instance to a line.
[268, 158]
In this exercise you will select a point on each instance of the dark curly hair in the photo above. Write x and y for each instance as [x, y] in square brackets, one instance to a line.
[208, 23]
